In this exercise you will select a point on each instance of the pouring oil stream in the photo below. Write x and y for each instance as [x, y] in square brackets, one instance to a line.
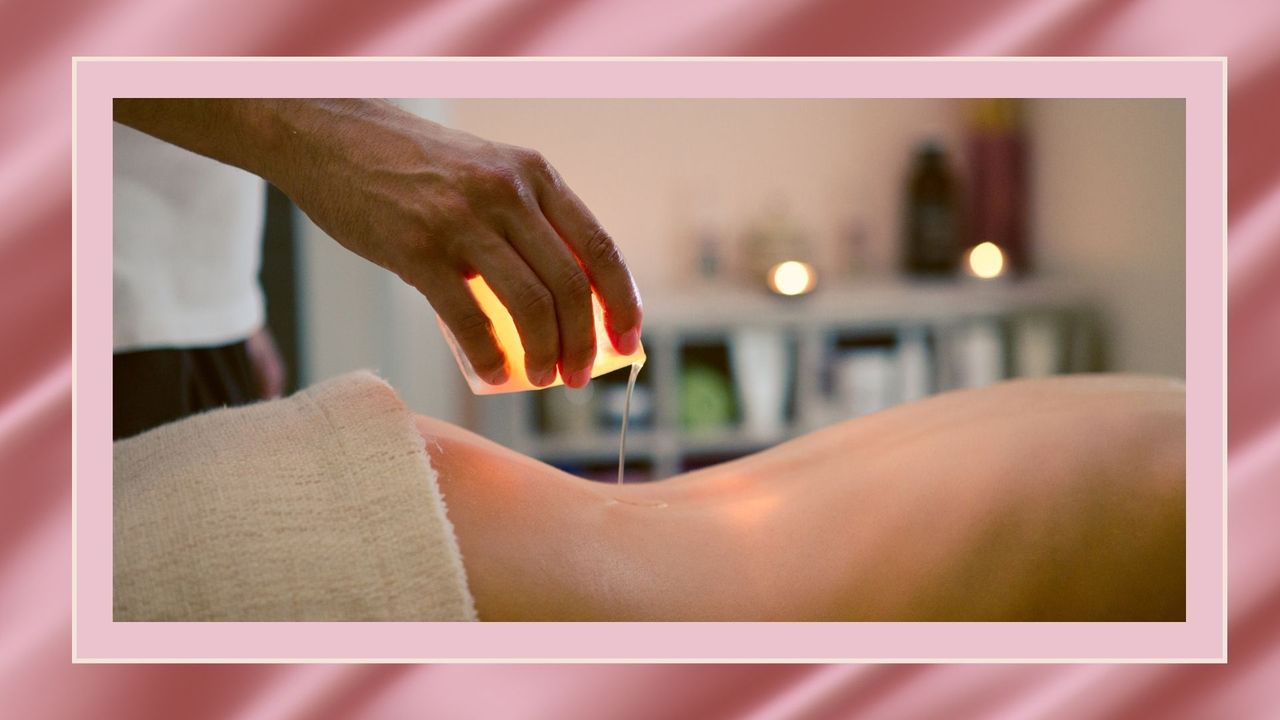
[626, 415]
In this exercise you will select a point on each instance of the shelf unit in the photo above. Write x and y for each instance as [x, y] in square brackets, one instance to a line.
[1026, 328]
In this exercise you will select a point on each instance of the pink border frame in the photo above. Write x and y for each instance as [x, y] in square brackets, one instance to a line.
[1200, 81]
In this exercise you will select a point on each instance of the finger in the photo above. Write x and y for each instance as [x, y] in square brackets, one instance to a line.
[530, 303]
[600, 258]
[558, 269]
[454, 303]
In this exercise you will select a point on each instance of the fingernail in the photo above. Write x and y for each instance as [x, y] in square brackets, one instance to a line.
[543, 379]
[629, 341]
[580, 378]
[498, 377]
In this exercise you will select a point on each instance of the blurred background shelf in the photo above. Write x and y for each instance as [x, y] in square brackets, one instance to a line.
[888, 302]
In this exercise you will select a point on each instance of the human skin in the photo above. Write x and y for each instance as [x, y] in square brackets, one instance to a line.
[1057, 499]
[434, 205]
[266, 364]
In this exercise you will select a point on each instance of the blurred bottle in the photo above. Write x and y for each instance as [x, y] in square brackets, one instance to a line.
[933, 232]
[857, 250]
[707, 400]
[710, 254]
[866, 380]
[569, 412]
[997, 208]
[699, 220]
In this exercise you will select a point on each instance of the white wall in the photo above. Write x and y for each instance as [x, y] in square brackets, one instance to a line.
[1108, 182]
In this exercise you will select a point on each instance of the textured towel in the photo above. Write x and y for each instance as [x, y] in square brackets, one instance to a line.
[322, 506]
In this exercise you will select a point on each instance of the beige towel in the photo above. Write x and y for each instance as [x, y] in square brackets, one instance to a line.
[322, 506]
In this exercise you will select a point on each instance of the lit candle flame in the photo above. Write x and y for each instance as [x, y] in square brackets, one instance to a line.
[986, 261]
[792, 278]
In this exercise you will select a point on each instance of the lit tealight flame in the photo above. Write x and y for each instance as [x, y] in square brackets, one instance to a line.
[792, 278]
[986, 261]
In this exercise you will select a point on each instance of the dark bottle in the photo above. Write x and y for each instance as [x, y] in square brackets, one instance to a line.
[933, 243]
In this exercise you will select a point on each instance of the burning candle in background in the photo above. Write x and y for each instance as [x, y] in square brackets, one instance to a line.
[792, 278]
[775, 248]
[985, 260]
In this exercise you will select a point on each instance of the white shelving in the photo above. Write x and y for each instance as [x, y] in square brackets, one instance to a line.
[967, 332]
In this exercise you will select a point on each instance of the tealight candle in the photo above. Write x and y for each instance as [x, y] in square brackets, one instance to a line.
[791, 278]
[985, 260]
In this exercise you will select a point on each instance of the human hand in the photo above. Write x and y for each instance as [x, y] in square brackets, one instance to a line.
[437, 206]
[266, 364]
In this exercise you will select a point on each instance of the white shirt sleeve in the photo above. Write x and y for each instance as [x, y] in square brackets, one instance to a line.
[187, 234]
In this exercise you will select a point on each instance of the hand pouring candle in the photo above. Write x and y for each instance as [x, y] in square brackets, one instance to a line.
[504, 327]
[607, 359]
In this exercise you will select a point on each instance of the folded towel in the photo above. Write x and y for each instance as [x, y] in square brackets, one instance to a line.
[321, 506]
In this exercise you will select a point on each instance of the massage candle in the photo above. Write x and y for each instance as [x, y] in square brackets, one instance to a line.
[607, 359]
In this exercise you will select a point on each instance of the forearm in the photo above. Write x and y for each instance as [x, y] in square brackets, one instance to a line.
[268, 137]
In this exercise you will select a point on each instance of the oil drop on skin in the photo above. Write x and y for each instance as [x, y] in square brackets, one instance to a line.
[626, 415]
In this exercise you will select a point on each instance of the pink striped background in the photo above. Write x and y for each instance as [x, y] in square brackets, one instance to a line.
[36, 677]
